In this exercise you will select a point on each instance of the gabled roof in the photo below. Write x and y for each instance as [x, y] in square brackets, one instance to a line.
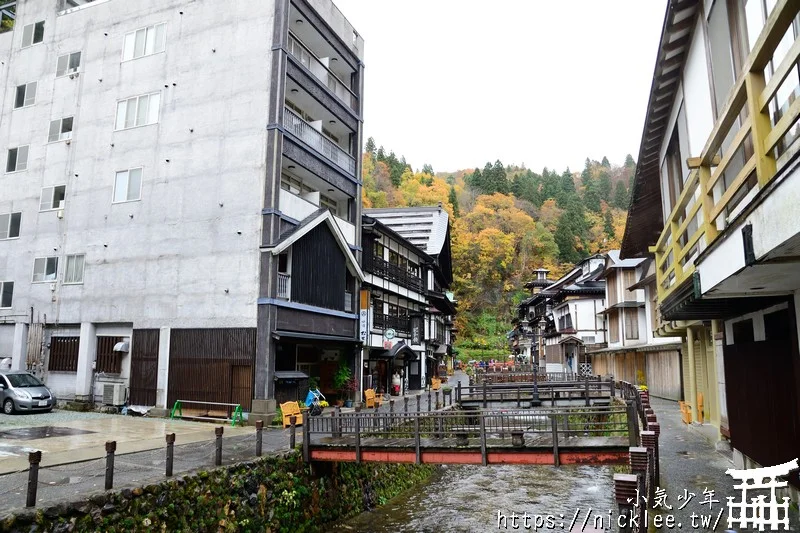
[322, 216]
[616, 262]
[425, 227]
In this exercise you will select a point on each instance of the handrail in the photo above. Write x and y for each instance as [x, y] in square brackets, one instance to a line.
[675, 250]
[301, 129]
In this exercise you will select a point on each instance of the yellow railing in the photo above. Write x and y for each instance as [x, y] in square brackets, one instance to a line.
[749, 157]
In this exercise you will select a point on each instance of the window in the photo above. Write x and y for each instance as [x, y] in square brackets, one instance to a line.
[74, 271]
[629, 278]
[138, 111]
[631, 323]
[63, 354]
[60, 129]
[380, 250]
[68, 64]
[26, 95]
[283, 263]
[329, 203]
[6, 294]
[45, 269]
[613, 326]
[17, 159]
[52, 198]
[32, 34]
[144, 42]
[9, 225]
[128, 185]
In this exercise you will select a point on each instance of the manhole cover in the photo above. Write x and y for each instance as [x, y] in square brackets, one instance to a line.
[41, 432]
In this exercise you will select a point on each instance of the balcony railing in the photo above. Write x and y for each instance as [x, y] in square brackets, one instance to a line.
[322, 72]
[303, 130]
[401, 324]
[710, 199]
[395, 273]
[284, 282]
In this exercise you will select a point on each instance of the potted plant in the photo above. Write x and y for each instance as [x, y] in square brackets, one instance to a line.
[350, 386]
[340, 379]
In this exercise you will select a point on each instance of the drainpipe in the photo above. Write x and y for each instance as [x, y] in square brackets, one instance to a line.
[692, 400]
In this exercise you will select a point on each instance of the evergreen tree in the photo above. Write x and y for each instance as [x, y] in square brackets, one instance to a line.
[370, 146]
[475, 180]
[551, 185]
[605, 162]
[591, 195]
[604, 186]
[427, 169]
[499, 178]
[629, 162]
[381, 155]
[621, 199]
[608, 225]
[453, 199]
[570, 235]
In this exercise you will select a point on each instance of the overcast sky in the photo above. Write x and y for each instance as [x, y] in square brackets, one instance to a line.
[456, 83]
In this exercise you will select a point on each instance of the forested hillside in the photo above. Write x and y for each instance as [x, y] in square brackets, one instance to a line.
[507, 221]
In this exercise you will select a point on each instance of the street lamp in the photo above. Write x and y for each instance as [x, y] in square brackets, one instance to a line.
[529, 333]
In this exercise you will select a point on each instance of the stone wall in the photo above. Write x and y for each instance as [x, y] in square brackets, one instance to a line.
[271, 494]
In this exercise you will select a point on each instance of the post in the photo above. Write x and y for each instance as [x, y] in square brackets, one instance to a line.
[259, 437]
[336, 423]
[391, 406]
[612, 386]
[429, 400]
[405, 404]
[438, 405]
[625, 486]
[458, 393]
[306, 438]
[34, 458]
[484, 394]
[292, 433]
[633, 424]
[170, 453]
[358, 439]
[586, 391]
[691, 394]
[417, 448]
[111, 447]
[554, 426]
[484, 458]
[419, 401]
[218, 457]
[519, 397]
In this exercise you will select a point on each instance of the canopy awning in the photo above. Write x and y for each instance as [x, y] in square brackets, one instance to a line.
[290, 374]
[279, 334]
[400, 348]
[441, 350]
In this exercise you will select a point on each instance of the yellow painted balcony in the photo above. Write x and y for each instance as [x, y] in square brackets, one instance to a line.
[743, 153]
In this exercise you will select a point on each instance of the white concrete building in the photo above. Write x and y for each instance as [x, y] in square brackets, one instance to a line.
[175, 171]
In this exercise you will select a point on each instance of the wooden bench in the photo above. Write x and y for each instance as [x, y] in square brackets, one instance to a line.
[232, 412]
[372, 399]
[288, 410]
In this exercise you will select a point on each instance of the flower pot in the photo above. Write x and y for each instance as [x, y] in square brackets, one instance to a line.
[348, 403]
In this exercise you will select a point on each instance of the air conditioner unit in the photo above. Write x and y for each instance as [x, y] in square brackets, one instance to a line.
[113, 393]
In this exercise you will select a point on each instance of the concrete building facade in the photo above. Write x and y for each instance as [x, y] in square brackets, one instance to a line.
[159, 157]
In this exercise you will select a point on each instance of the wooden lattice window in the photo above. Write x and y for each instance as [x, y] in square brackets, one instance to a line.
[108, 360]
[63, 354]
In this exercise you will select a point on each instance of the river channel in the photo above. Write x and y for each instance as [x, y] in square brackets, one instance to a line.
[467, 498]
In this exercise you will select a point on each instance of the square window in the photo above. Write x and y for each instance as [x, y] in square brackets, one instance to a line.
[52, 198]
[74, 271]
[26, 95]
[32, 34]
[6, 294]
[138, 111]
[60, 130]
[45, 269]
[68, 64]
[9, 225]
[128, 185]
[17, 159]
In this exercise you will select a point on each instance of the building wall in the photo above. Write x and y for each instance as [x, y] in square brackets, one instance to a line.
[191, 242]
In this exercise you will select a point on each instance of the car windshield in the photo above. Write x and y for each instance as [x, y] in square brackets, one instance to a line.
[23, 380]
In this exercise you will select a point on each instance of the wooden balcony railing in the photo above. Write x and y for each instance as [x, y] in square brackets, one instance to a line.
[395, 273]
[284, 283]
[401, 324]
[725, 178]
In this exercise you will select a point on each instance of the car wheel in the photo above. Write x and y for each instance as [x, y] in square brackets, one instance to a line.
[8, 407]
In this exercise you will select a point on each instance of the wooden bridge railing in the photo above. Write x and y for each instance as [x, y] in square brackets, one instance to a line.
[520, 392]
[524, 373]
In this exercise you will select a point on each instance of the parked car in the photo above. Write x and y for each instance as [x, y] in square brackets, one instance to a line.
[22, 391]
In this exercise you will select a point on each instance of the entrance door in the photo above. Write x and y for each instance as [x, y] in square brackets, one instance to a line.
[144, 366]
[414, 378]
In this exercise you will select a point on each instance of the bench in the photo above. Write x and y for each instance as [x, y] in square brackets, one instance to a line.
[177, 410]
[288, 410]
[372, 399]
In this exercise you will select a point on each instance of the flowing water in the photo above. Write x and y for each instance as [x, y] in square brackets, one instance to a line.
[467, 498]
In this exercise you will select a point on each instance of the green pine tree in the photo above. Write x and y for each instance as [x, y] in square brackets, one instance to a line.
[453, 199]
[608, 224]
[604, 186]
[621, 196]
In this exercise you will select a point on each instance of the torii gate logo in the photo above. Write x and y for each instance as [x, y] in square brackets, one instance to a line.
[760, 512]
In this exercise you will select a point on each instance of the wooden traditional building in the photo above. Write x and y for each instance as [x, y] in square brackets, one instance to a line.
[714, 200]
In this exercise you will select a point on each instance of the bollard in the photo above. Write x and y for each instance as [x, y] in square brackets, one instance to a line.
[34, 458]
[259, 437]
[292, 433]
[419, 401]
[218, 456]
[586, 391]
[170, 453]
[458, 393]
[438, 405]
[391, 406]
[111, 447]
[337, 424]
[405, 404]
[306, 438]
[429, 400]
[625, 492]
[484, 395]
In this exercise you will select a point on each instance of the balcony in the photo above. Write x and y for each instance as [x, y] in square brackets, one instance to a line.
[395, 274]
[299, 208]
[321, 71]
[401, 324]
[720, 186]
[284, 285]
[301, 129]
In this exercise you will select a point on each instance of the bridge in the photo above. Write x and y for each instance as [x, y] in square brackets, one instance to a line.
[506, 394]
[544, 435]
